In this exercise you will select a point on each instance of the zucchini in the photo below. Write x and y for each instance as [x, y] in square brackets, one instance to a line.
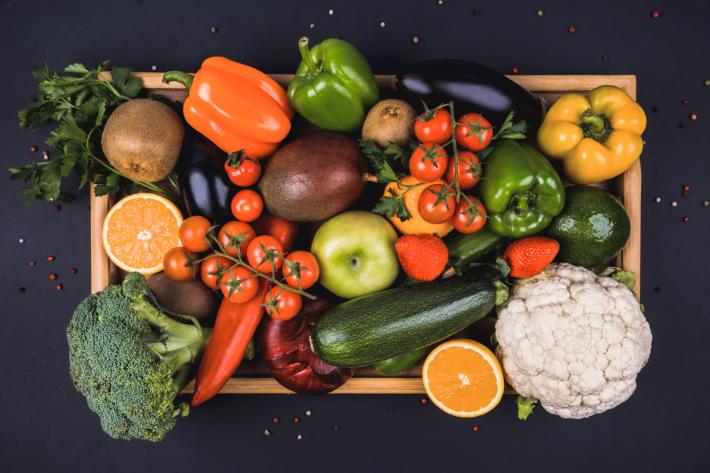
[382, 325]
[465, 249]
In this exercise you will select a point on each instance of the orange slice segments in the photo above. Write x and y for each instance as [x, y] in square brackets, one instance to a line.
[463, 378]
[139, 230]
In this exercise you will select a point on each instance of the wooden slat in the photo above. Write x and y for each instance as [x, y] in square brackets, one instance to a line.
[253, 380]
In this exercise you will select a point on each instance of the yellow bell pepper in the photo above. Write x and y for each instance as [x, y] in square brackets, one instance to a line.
[598, 136]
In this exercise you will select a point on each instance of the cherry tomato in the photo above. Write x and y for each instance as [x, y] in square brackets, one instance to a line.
[469, 170]
[474, 132]
[235, 237]
[433, 126]
[247, 205]
[282, 304]
[239, 285]
[212, 269]
[437, 203]
[428, 162]
[193, 234]
[242, 170]
[283, 230]
[471, 217]
[178, 266]
[301, 269]
[265, 254]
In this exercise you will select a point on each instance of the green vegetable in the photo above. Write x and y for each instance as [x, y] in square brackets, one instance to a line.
[592, 228]
[627, 278]
[526, 405]
[401, 362]
[334, 85]
[78, 101]
[465, 249]
[378, 326]
[130, 360]
[521, 190]
[387, 164]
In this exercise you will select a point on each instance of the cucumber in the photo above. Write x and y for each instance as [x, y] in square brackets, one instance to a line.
[378, 326]
[465, 249]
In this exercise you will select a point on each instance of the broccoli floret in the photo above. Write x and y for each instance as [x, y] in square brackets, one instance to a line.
[130, 360]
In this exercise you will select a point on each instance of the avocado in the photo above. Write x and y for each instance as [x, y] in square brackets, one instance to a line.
[313, 177]
[592, 228]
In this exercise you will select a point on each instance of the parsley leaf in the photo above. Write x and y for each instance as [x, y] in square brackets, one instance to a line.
[392, 205]
[379, 161]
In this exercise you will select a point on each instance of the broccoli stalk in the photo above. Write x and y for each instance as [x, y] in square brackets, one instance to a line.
[131, 360]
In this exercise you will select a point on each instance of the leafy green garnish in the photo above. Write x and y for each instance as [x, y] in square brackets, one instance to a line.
[78, 101]
[526, 405]
[627, 278]
[379, 161]
[393, 205]
[512, 130]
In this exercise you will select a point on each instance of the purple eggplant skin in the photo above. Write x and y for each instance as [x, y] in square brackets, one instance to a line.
[472, 87]
[205, 187]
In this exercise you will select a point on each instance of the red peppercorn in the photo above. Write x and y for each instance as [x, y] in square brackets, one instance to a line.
[276, 420]
[34, 148]
[33, 264]
[693, 116]
[73, 270]
[52, 276]
[655, 14]
[571, 28]
[60, 287]
[475, 428]
[423, 400]
[684, 101]
[514, 70]
[296, 420]
[51, 258]
[685, 219]
[686, 188]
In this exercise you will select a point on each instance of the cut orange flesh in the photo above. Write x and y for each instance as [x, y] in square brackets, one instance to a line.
[139, 230]
[463, 378]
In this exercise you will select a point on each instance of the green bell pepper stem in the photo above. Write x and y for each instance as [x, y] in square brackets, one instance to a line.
[178, 76]
[308, 61]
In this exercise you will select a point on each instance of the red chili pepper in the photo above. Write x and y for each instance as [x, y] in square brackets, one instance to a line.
[234, 328]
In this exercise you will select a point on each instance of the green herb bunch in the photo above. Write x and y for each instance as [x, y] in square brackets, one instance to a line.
[78, 100]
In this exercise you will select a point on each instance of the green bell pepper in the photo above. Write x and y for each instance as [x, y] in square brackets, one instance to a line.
[521, 190]
[334, 85]
[401, 362]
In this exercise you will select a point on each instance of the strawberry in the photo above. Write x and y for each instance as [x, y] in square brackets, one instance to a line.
[530, 256]
[423, 257]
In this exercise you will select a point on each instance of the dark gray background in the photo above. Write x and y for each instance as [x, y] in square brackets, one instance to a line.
[45, 425]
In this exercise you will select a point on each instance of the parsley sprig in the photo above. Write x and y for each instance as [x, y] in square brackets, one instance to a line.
[78, 101]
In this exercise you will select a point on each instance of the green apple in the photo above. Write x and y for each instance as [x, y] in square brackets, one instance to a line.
[355, 251]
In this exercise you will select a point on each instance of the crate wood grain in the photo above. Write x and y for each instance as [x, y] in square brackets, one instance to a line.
[252, 378]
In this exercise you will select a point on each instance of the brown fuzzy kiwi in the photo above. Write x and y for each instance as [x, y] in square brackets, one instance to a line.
[142, 139]
[389, 120]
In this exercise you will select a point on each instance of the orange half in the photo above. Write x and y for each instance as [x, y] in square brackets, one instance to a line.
[139, 230]
[463, 378]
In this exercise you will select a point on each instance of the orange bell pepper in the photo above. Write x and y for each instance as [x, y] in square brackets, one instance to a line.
[236, 106]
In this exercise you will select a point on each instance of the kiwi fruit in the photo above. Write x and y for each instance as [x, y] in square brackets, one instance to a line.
[142, 139]
[390, 120]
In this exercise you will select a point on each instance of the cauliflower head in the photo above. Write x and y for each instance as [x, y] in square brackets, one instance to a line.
[573, 340]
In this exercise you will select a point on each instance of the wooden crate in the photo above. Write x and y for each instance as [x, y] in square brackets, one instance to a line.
[252, 378]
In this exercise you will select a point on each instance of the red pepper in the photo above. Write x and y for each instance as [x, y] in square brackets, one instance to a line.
[234, 328]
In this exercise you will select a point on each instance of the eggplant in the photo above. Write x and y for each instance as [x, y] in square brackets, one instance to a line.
[204, 184]
[472, 87]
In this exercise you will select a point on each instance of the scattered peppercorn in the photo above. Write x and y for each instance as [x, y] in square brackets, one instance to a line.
[34, 149]
[331, 12]
[51, 258]
[681, 125]
[571, 28]
[475, 428]
[336, 426]
[33, 264]
[299, 437]
[267, 432]
[52, 276]
[45, 155]
[674, 203]
[684, 219]
[60, 287]
[477, 12]
[684, 194]
[214, 29]
[685, 188]
[706, 203]
[57, 207]
[693, 116]
[514, 70]
[312, 25]
[382, 24]
[605, 58]
[22, 290]
[423, 400]
[20, 240]
[684, 101]
[657, 290]
[415, 39]
[655, 14]
[73, 270]
[296, 420]
[540, 13]
[706, 82]
[275, 420]
[308, 412]
[440, 2]
[658, 200]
